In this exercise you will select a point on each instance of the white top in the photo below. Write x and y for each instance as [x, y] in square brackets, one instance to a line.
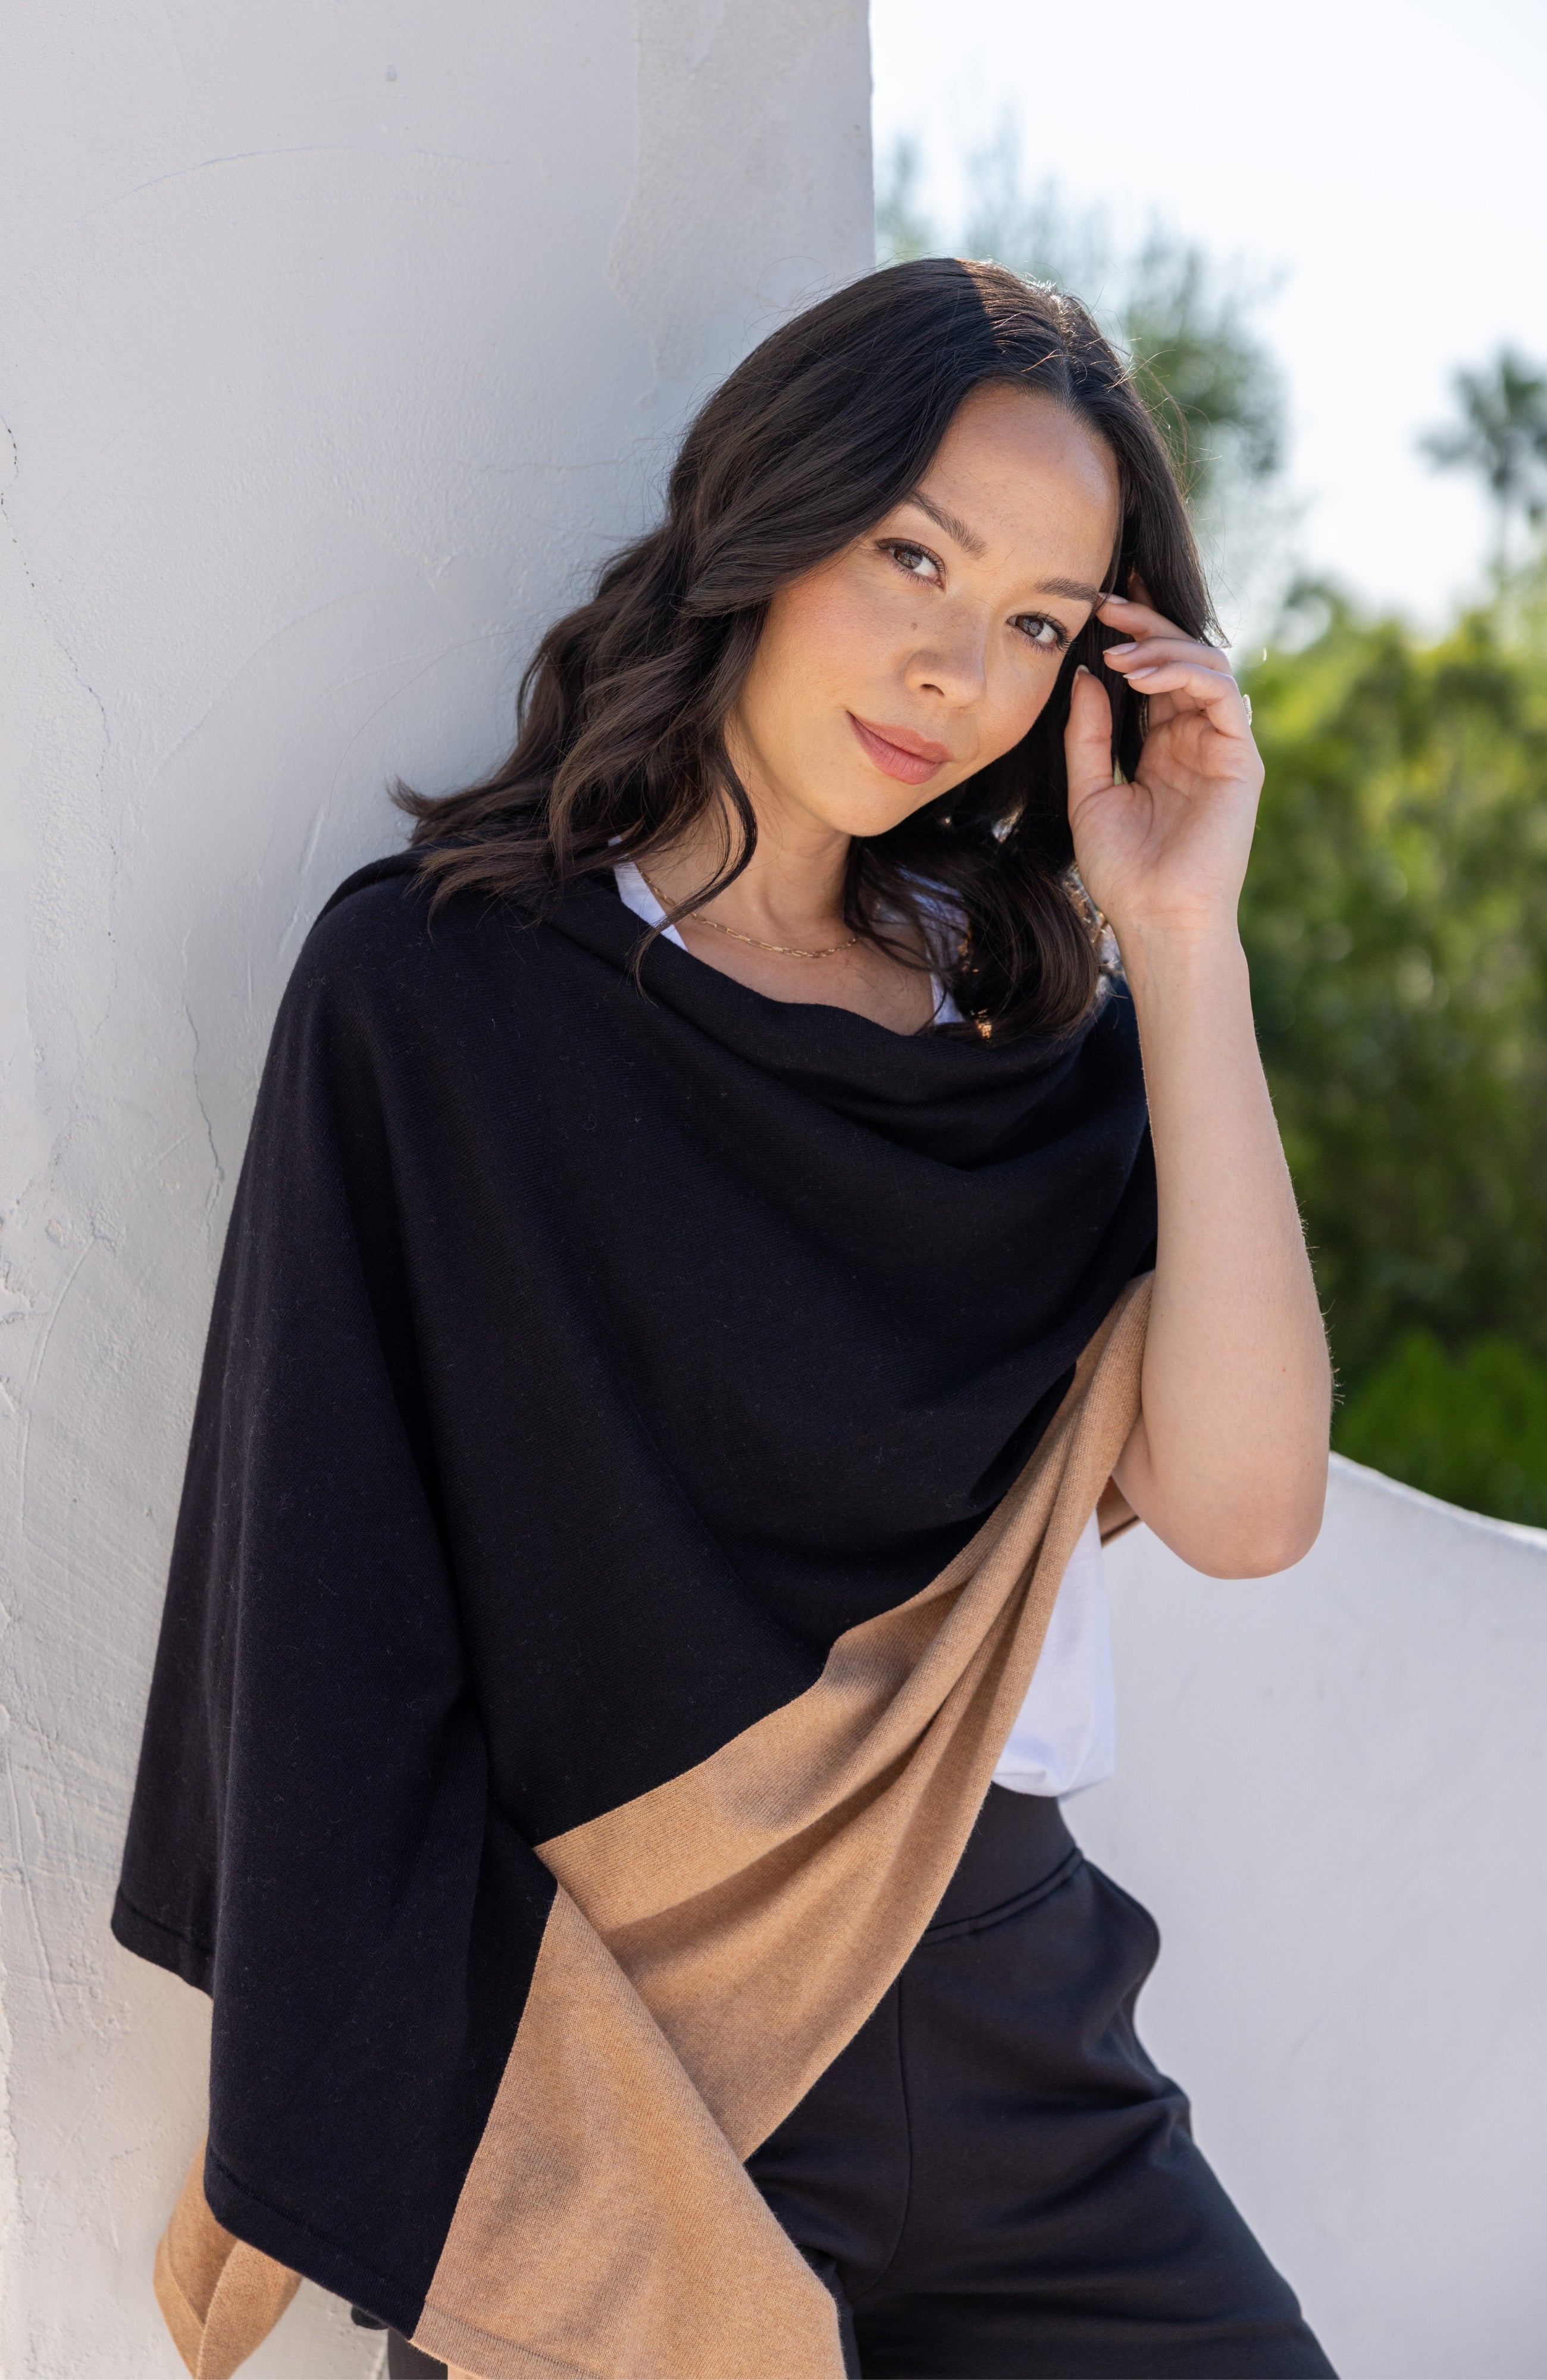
[1065, 1736]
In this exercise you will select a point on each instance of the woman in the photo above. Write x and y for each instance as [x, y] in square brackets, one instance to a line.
[636, 1603]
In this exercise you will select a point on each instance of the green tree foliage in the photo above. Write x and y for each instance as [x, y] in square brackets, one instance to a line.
[902, 228]
[1209, 383]
[1471, 1428]
[1395, 916]
[1502, 435]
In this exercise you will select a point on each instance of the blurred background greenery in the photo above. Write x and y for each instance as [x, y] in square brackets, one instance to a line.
[1396, 914]
[1396, 918]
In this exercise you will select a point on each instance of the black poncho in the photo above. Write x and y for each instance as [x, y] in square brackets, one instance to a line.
[602, 1452]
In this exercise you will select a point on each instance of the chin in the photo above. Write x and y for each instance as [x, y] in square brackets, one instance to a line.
[863, 820]
[870, 806]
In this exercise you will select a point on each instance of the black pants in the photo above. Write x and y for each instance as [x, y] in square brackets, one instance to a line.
[994, 2180]
[994, 2177]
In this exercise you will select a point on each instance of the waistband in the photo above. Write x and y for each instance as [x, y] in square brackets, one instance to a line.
[1019, 1847]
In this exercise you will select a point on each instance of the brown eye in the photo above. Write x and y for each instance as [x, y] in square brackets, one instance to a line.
[1046, 635]
[915, 560]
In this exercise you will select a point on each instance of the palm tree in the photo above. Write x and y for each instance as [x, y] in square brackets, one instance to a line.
[1502, 435]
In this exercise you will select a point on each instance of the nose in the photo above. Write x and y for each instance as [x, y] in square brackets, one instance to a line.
[952, 665]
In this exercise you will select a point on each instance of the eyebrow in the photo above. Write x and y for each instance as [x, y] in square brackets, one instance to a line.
[1073, 589]
[952, 523]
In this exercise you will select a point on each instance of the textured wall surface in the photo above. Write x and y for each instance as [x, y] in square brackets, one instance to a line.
[1333, 1795]
[341, 342]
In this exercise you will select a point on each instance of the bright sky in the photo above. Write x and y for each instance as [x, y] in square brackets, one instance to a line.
[1389, 161]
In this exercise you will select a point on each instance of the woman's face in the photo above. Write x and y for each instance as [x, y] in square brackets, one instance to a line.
[929, 646]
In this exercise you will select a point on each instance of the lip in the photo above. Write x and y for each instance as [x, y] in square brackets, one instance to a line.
[897, 750]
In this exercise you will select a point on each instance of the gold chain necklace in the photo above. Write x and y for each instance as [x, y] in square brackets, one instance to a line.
[783, 950]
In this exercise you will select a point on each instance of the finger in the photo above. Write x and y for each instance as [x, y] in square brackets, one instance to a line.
[1088, 736]
[1214, 692]
[1135, 619]
[1148, 650]
[1142, 620]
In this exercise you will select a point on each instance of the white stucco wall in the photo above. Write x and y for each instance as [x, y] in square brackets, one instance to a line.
[340, 342]
[1333, 1795]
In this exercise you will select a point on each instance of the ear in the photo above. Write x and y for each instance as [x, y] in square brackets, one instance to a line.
[1137, 591]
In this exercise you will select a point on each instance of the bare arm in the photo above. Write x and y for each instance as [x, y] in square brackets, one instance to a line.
[1228, 1460]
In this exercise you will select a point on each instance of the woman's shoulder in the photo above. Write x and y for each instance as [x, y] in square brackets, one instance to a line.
[372, 931]
[386, 970]
[394, 955]
[384, 924]
[401, 870]
[381, 907]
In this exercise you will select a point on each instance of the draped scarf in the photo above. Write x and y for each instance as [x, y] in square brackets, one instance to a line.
[642, 1429]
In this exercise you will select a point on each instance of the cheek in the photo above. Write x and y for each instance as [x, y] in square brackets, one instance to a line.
[1017, 699]
[827, 627]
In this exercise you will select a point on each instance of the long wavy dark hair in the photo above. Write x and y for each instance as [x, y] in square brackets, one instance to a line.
[827, 425]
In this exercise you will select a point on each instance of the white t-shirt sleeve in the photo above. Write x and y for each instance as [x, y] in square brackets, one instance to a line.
[1065, 1737]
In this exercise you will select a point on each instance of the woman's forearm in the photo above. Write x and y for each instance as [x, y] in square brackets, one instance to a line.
[1228, 1462]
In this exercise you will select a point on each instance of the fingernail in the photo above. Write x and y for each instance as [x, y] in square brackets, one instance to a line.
[1112, 650]
[1135, 674]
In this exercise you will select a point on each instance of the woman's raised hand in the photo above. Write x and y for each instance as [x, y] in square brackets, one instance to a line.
[1227, 1462]
[1169, 850]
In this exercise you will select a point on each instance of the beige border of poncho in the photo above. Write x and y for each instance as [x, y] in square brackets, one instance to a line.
[710, 1948]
